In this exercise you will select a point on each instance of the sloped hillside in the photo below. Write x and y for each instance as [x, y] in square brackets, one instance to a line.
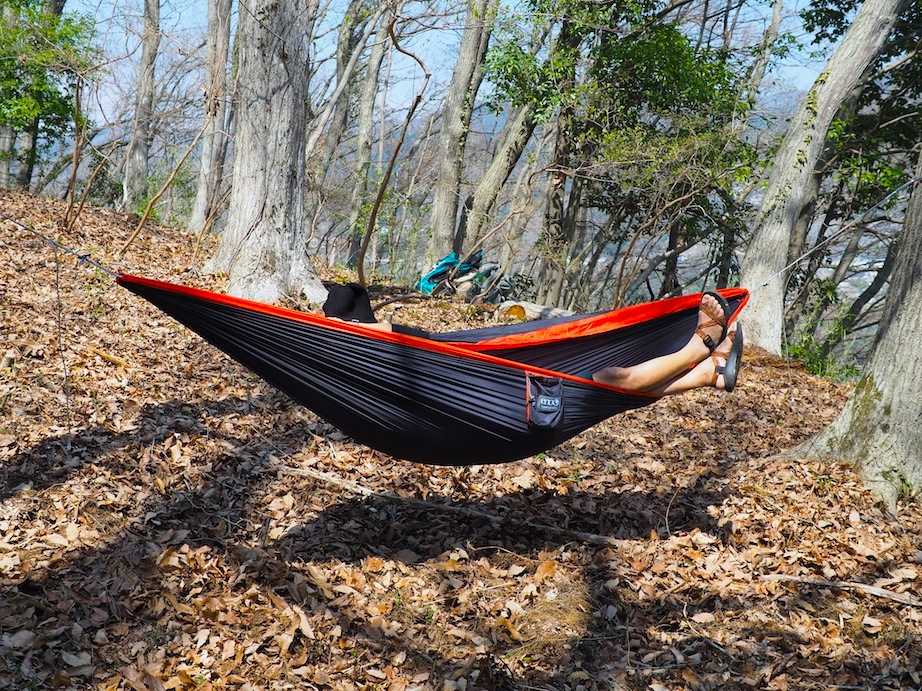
[168, 521]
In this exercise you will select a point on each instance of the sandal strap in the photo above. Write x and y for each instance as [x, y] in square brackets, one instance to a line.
[718, 368]
[705, 336]
[715, 320]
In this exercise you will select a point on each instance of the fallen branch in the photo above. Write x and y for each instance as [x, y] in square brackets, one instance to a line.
[902, 598]
[530, 310]
[115, 360]
[495, 520]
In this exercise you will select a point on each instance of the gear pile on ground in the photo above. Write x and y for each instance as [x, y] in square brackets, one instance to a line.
[168, 521]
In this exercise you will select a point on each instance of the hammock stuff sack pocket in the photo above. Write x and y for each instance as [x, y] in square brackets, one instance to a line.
[544, 395]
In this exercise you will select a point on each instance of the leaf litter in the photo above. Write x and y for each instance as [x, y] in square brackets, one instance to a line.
[169, 521]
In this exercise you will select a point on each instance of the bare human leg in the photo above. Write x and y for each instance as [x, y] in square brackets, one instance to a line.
[704, 373]
[657, 372]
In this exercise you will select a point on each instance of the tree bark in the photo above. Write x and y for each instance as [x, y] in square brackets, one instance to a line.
[263, 248]
[366, 121]
[28, 156]
[517, 132]
[456, 122]
[794, 164]
[134, 181]
[7, 137]
[211, 167]
[879, 428]
[555, 236]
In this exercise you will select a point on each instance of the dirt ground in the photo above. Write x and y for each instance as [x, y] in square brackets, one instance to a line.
[169, 521]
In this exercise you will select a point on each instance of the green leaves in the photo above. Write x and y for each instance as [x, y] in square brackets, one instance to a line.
[659, 70]
[40, 55]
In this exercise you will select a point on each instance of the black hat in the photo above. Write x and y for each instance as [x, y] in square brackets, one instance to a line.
[349, 302]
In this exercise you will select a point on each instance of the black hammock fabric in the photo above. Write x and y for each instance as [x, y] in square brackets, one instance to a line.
[457, 399]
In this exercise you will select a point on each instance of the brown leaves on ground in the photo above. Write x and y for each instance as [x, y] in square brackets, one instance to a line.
[168, 521]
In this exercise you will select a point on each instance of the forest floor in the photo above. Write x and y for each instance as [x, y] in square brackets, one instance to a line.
[169, 521]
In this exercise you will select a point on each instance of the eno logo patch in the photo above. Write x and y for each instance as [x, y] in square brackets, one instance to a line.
[547, 404]
[544, 401]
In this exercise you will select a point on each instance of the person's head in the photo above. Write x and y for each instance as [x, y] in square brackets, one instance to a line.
[349, 302]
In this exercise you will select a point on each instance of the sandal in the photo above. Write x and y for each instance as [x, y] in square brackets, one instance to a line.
[721, 320]
[731, 369]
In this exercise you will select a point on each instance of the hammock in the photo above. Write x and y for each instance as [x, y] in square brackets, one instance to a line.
[487, 395]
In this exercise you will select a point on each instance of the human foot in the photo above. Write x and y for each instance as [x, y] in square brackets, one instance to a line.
[730, 351]
[713, 315]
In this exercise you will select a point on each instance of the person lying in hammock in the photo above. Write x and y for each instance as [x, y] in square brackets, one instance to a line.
[710, 358]
[350, 302]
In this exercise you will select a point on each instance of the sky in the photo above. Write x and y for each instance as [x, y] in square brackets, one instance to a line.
[119, 22]
[184, 23]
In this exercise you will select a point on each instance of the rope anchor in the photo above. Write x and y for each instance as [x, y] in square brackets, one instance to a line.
[82, 258]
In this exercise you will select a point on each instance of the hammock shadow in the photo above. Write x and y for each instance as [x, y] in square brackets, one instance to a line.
[54, 459]
[356, 530]
[349, 531]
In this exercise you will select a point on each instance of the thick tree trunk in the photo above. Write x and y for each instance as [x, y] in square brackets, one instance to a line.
[134, 181]
[456, 121]
[263, 248]
[211, 168]
[879, 430]
[794, 164]
[554, 245]
[557, 230]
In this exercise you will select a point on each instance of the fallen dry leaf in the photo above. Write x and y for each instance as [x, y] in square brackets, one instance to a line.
[149, 539]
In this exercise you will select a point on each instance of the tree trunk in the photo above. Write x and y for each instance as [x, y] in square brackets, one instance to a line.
[794, 164]
[357, 28]
[798, 307]
[517, 132]
[263, 248]
[456, 121]
[7, 137]
[134, 181]
[343, 80]
[28, 155]
[855, 310]
[217, 50]
[366, 122]
[879, 428]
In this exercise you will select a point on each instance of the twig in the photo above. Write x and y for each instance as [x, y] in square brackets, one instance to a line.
[400, 298]
[160, 192]
[79, 133]
[356, 488]
[207, 222]
[103, 161]
[902, 598]
[382, 188]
